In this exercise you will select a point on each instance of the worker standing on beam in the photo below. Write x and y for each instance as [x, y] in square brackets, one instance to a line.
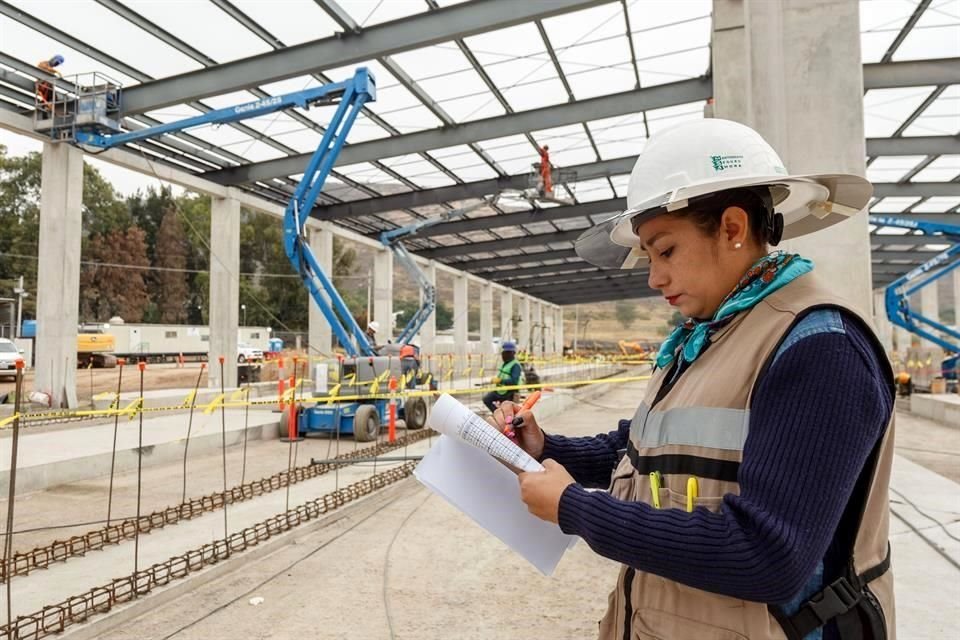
[748, 496]
[508, 375]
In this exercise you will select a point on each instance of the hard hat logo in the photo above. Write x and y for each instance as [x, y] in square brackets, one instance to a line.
[673, 171]
[720, 163]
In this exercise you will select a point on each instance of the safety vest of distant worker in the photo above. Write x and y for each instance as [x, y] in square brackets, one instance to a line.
[506, 373]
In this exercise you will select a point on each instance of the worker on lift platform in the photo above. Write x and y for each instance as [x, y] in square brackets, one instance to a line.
[546, 182]
[44, 88]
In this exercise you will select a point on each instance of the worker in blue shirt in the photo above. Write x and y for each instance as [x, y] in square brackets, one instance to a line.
[508, 375]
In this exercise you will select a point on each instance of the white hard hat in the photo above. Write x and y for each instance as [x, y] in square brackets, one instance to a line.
[696, 160]
[373, 326]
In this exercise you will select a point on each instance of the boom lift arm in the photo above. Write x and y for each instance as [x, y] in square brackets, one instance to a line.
[897, 294]
[75, 122]
[392, 239]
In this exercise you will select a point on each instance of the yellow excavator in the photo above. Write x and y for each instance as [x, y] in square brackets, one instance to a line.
[95, 346]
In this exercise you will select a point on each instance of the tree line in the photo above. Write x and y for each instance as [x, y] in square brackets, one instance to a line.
[146, 258]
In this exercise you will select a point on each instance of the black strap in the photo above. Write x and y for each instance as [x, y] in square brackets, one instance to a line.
[833, 602]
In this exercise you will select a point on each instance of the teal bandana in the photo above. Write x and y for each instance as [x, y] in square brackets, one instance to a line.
[763, 278]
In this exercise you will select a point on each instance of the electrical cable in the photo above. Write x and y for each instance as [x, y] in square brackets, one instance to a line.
[386, 564]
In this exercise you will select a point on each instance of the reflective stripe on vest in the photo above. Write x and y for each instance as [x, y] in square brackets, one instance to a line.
[711, 427]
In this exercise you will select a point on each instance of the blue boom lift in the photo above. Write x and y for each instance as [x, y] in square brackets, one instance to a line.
[897, 294]
[428, 291]
[87, 113]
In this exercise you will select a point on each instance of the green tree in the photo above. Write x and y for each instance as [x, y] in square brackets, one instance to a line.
[102, 211]
[107, 291]
[170, 280]
[626, 313]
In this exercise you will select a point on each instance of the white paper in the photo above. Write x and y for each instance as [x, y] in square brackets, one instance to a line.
[488, 492]
[451, 418]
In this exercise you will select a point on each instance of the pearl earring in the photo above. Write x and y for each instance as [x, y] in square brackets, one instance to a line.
[737, 245]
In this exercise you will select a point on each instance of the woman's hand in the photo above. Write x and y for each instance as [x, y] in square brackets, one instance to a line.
[541, 490]
[529, 436]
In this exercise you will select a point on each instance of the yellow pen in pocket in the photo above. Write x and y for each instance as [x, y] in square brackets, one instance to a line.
[656, 481]
[693, 490]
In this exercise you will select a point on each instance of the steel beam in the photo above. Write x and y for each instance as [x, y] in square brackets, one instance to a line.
[575, 277]
[912, 73]
[478, 189]
[420, 30]
[500, 261]
[617, 290]
[506, 275]
[911, 240]
[914, 146]
[627, 278]
[917, 256]
[471, 248]
[916, 189]
[532, 216]
[664, 95]
[601, 296]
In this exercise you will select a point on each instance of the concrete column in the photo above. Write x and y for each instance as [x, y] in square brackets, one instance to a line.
[58, 273]
[791, 69]
[955, 280]
[486, 317]
[460, 314]
[549, 329]
[507, 330]
[930, 308]
[558, 331]
[881, 322]
[319, 334]
[903, 338]
[224, 289]
[428, 332]
[383, 294]
[523, 328]
[537, 323]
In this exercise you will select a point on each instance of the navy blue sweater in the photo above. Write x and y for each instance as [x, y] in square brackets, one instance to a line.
[816, 415]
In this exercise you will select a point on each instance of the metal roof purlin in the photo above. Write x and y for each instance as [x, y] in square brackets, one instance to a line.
[414, 32]
[496, 127]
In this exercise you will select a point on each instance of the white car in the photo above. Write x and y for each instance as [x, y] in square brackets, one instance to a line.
[9, 354]
[246, 353]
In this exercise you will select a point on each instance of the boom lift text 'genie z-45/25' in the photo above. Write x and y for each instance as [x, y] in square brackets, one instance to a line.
[87, 111]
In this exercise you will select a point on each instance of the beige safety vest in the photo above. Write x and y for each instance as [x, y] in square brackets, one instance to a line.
[703, 421]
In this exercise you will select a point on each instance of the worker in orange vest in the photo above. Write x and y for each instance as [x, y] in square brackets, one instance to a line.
[44, 88]
[546, 183]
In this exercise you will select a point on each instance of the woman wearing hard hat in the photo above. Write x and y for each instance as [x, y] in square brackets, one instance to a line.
[751, 498]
